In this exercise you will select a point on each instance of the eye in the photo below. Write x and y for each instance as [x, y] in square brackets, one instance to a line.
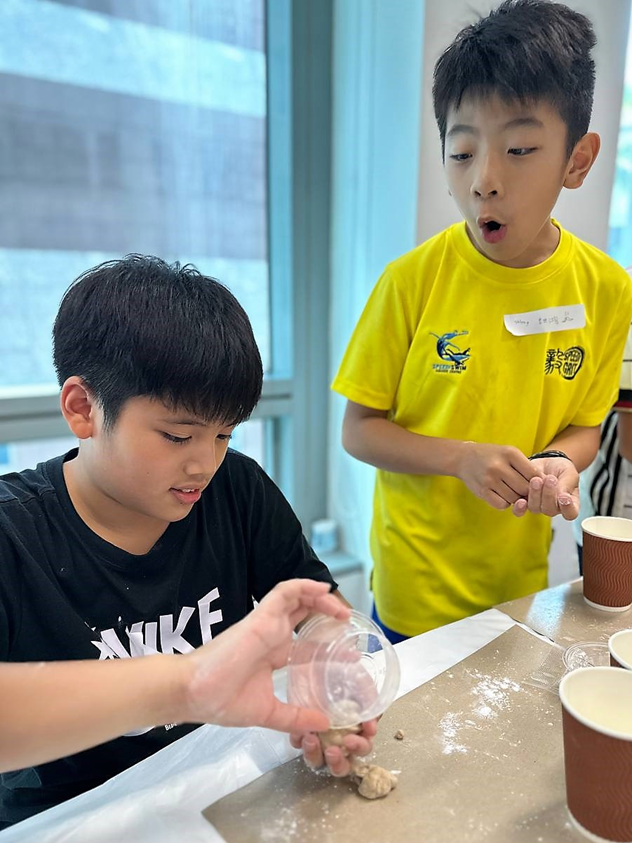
[177, 440]
[460, 156]
[224, 437]
[521, 151]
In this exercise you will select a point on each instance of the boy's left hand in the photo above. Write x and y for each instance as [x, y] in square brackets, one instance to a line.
[334, 757]
[557, 491]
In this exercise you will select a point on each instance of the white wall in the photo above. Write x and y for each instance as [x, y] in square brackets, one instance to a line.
[584, 211]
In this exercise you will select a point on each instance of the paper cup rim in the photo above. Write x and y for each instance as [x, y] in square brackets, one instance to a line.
[607, 518]
[626, 664]
[572, 677]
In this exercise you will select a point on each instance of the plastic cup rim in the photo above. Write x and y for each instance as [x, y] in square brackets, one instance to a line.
[369, 627]
[579, 644]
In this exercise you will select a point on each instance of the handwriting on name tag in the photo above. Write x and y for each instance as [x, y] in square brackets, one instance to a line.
[546, 320]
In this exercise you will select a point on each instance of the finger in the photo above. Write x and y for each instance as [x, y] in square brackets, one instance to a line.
[325, 603]
[312, 751]
[536, 485]
[336, 761]
[494, 499]
[569, 506]
[329, 604]
[516, 483]
[292, 596]
[549, 496]
[357, 744]
[297, 741]
[509, 493]
[524, 466]
[285, 717]
[520, 508]
[369, 728]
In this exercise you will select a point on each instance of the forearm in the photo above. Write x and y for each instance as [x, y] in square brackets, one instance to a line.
[49, 710]
[386, 445]
[578, 443]
[624, 430]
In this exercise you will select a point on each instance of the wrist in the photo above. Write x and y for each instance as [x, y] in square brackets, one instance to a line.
[169, 680]
[550, 454]
[458, 452]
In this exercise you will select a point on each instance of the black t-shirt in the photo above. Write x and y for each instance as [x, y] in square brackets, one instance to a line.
[66, 593]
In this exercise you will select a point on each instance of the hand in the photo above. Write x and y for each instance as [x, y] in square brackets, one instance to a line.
[338, 759]
[499, 474]
[229, 680]
[556, 491]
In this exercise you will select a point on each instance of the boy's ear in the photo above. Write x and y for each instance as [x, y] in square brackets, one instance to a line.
[78, 407]
[582, 159]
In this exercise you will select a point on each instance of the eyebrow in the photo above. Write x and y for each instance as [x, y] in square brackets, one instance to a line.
[195, 422]
[515, 123]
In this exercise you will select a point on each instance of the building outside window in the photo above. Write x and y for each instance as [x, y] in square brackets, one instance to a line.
[126, 127]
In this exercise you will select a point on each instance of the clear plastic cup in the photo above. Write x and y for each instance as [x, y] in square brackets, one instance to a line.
[586, 654]
[348, 669]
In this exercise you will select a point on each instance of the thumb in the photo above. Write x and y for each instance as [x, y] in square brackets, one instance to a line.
[567, 483]
[569, 507]
[568, 500]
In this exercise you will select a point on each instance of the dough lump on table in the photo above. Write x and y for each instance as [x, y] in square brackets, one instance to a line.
[377, 782]
[374, 781]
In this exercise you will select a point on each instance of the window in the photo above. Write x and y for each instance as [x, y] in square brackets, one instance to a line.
[620, 235]
[196, 130]
[128, 127]
[124, 127]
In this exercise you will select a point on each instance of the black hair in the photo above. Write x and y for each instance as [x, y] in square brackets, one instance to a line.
[141, 327]
[524, 50]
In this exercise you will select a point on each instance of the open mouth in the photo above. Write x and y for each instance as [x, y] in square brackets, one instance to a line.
[493, 231]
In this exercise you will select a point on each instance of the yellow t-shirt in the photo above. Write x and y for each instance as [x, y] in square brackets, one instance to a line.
[432, 348]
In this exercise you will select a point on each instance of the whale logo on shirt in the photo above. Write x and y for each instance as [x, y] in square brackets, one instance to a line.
[452, 353]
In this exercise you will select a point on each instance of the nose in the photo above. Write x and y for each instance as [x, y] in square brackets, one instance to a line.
[203, 464]
[487, 178]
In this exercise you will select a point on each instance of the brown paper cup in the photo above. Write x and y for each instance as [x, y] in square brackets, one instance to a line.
[597, 723]
[620, 646]
[607, 560]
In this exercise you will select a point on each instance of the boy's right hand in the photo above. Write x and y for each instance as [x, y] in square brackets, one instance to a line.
[498, 474]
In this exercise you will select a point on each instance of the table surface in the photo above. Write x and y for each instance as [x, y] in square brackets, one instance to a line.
[562, 615]
[481, 758]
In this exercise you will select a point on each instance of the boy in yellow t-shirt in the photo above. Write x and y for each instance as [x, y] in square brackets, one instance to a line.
[486, 358]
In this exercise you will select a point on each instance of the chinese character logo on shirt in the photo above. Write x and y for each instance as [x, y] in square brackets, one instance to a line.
[565, 363]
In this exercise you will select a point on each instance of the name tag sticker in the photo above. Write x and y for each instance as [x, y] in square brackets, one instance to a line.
[546, 321]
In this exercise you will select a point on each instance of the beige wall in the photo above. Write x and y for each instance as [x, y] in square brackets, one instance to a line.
[585, 211]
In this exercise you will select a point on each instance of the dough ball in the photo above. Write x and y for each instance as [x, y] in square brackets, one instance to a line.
[377, 782]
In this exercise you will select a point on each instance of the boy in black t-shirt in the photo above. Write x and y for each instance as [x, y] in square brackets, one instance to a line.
[125, 547]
